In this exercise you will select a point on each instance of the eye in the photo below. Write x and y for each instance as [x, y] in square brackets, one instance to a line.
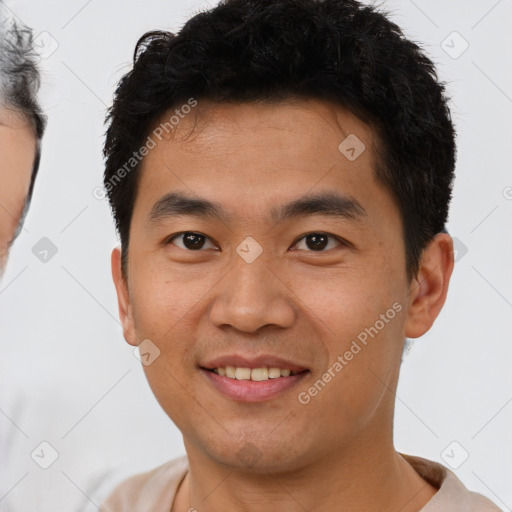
[190, 240]
[317, 242]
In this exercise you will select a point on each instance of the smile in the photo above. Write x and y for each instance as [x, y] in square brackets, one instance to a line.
[256, 374]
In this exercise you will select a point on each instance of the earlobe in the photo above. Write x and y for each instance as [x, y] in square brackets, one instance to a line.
[430, 287]
[123, 298]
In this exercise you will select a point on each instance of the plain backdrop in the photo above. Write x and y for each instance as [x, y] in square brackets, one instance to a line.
[67, 377]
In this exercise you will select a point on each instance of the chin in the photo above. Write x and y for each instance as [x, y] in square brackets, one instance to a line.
[256, 455]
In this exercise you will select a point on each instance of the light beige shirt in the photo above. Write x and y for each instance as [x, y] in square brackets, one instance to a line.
[155, 490]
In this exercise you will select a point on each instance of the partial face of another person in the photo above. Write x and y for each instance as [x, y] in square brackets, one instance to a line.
[17, 154]
[298, 252]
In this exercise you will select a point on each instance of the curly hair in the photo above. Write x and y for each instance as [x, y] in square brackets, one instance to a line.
[272, 50]
[19, 85]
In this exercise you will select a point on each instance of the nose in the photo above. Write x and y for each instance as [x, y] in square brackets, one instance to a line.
[251, 296]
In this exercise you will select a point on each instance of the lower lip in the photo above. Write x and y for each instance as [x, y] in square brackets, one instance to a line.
[250, 390]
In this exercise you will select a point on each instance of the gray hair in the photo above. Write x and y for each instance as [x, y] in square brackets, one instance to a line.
[19, 74]
[19, 84]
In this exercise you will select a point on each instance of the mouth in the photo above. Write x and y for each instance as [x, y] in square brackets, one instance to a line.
[254, 374]
[253, 380]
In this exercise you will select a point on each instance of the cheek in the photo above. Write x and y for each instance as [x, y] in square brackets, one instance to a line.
[352, 390]
[343, 302]
[163, 301]
[363, 328]
[166, 310]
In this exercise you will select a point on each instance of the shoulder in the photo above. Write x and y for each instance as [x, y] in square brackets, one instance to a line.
[151, 491]
[452, 494]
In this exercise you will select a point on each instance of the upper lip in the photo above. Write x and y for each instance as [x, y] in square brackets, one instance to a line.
[260, 361]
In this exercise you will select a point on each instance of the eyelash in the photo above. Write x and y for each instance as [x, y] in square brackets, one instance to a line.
[340, 241]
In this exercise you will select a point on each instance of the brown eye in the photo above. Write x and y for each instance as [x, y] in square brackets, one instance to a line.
[317, 242]
[190, 241]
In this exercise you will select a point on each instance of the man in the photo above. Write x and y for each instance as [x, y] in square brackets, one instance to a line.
[22, 125]
[280, 173]
[21, 129]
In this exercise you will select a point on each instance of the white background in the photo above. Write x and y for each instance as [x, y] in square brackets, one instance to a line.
[68, 378]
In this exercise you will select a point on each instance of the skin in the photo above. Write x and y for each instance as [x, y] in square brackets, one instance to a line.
[292, 302]
[17, 150]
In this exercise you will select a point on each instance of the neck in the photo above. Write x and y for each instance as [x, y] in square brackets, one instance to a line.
[363, 476]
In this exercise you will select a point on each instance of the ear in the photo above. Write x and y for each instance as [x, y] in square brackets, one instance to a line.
[123, 298]
[429, 288]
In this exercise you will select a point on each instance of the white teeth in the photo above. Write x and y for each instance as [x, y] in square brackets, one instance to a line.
[259, 374]
[256, 374]
[243, 374]
[273, 373]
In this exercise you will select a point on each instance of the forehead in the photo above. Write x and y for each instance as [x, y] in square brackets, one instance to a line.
[260, 154]
[17, 143]
[293, 122]
[17, 153]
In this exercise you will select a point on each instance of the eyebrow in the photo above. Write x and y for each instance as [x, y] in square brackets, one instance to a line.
[328, 204]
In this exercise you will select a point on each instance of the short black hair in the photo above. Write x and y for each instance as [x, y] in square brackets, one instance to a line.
[272, 50]
[19, 84]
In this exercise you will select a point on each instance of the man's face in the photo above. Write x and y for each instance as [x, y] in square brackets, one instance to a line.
[17, 153]
[303, 299]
